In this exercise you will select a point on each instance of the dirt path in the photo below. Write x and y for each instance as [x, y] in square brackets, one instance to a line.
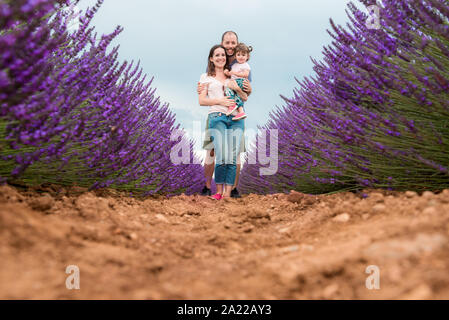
[258, 247]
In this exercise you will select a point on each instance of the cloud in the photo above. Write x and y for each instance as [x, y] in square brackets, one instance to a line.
[237, 4]
[180, 98]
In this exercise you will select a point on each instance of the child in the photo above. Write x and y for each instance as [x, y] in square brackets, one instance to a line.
[239, 72]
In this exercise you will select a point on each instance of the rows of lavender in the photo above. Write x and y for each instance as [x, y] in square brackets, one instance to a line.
[70, 113]
[376, 112]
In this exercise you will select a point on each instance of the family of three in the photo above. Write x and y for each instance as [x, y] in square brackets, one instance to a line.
[224, 88]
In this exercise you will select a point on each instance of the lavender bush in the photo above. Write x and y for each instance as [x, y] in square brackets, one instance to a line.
[71, 113]
[376, 112]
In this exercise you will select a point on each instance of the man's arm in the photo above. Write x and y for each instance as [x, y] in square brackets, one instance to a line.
[232, 84]
[247, 87]
[200, 87]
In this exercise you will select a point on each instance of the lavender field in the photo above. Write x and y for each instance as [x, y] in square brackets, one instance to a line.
[70, 113]
[374, 113]
[358, 207]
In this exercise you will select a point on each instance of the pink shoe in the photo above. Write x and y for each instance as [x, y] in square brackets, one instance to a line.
[217, 196]
[231, 109]
[239, 116]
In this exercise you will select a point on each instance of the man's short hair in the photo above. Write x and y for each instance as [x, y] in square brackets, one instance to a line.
[222, 37]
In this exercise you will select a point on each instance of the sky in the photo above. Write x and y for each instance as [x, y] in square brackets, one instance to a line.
[172, 39]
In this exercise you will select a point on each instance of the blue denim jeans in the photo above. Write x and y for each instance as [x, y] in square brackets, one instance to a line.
[226, 135]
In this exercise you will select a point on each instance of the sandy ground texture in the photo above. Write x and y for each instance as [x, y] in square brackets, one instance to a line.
[293, 246]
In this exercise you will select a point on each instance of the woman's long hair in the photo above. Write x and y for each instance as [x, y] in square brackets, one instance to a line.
[210, 64]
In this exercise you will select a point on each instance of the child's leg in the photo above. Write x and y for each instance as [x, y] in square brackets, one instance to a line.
[240, 112]
[231, 94]
[239, 101]
[239, 82]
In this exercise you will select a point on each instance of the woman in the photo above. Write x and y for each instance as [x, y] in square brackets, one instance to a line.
[226, 133]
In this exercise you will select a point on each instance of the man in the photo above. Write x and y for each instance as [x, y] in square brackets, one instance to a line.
[229, 40]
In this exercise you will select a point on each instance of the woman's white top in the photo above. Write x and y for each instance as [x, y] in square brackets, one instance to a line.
[215, 91]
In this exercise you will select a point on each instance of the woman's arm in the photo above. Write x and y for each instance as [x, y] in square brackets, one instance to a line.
[204, 100]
